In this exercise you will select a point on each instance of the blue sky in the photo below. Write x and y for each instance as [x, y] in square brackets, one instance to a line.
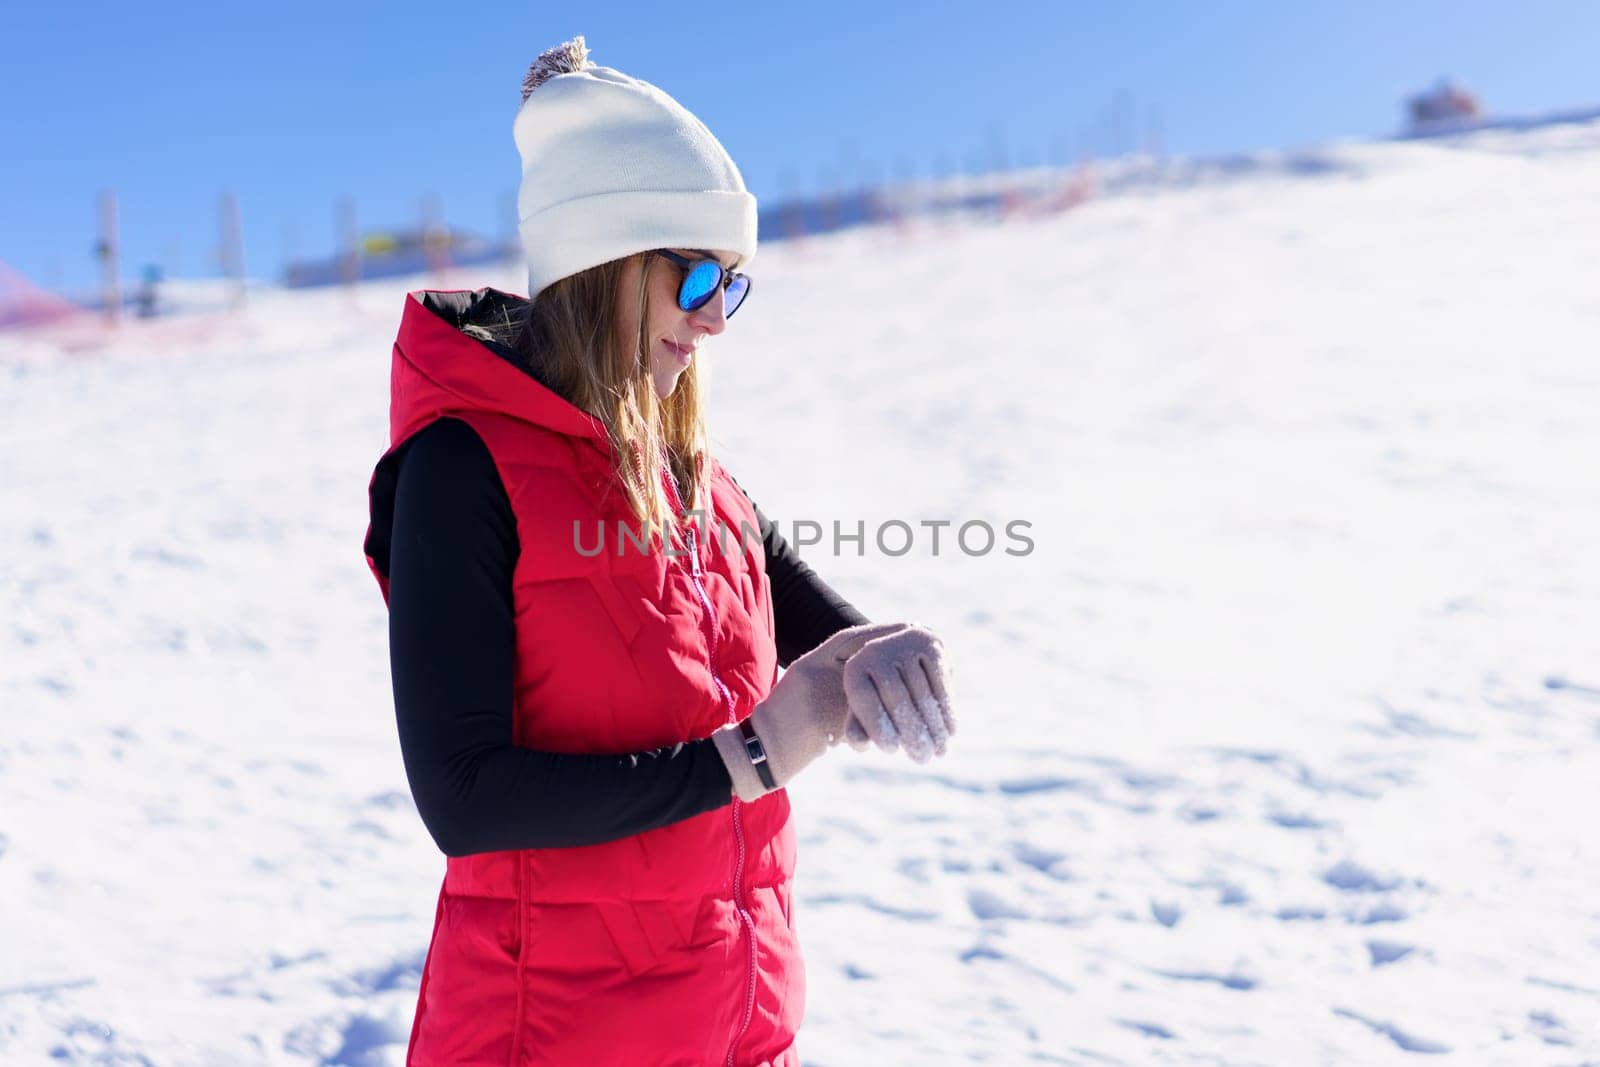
[293, 105]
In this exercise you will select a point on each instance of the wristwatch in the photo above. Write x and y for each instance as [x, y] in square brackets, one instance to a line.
[757, 753]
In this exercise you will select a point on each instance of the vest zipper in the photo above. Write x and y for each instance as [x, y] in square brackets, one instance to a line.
[696, 577]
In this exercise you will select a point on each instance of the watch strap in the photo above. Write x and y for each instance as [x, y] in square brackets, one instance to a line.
[757, 753]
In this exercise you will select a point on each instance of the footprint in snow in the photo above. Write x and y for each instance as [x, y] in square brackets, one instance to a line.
[1383, 952]
[364, 1040]
[1227, 981]
[1354, 878]
[1559, 684]
[986, 904]
[1550, 1029]
[91, 1041]
[1147, 1029]
[1403, 1038]
[1382, 913]
[402, 973]
[357, 1040]
[1044, 860]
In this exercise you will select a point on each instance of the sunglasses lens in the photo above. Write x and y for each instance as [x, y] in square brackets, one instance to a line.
[738, 289]
[699, 285]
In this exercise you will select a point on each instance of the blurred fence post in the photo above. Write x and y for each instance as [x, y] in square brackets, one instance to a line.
[904, 204]
[831, 210]
[794, 221]
[1155, 137]
[232, 247]
[435, 237]
[107, 251]
[943, 172]
[350, 244]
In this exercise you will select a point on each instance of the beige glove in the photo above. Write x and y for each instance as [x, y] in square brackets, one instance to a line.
[801, 717]
[899, 694]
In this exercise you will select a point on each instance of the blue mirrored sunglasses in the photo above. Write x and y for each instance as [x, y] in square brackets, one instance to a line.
[702, 278]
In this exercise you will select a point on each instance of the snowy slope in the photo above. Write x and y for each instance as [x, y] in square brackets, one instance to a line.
[1279, 747]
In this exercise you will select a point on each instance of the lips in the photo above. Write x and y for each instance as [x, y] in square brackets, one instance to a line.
[681, 351]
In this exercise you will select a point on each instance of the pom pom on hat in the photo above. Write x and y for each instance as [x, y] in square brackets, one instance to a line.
[568, 57]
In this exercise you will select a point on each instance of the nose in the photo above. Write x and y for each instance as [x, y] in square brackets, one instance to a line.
[710, 317]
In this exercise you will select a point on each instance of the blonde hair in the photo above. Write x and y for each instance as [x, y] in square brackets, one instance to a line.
[571, 341]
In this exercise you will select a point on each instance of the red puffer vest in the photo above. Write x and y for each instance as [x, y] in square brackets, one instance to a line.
[674, 946]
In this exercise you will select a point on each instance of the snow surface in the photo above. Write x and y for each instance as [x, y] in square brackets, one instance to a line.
[1278, 748]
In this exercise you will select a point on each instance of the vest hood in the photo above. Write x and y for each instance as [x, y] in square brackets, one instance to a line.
[438, 369]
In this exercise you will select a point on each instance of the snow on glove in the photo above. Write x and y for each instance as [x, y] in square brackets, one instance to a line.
[801, 717]
[898, 689]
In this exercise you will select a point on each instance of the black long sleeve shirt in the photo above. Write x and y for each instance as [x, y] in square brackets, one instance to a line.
[452, 648]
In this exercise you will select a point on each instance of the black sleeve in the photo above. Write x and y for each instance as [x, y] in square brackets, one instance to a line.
[452, 654]
[806, 611]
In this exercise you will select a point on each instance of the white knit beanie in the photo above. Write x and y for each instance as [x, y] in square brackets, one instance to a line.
[612, 166]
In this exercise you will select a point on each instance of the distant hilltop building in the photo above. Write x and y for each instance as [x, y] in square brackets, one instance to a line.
[1445, 108]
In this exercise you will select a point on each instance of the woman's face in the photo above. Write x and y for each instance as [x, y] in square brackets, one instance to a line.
[672, 333]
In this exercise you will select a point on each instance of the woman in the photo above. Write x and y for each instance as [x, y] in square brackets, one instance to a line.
[586, 682]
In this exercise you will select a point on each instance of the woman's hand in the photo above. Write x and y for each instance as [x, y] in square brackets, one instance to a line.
[898, 690]
[802, 717]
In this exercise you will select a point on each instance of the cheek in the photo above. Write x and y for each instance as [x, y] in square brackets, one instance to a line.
[666, 318]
